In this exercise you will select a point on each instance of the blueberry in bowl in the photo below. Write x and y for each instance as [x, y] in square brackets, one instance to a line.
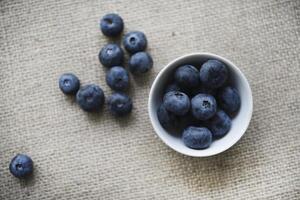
[213, 73]
[177, 103]
[204, 106]
[197, 137]
[229, 99]
[187, 76]
[166, 118]
[220, 124]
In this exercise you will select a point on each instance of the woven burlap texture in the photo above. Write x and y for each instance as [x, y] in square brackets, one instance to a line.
[85, 156]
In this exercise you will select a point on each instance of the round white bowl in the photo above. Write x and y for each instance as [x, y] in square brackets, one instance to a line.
[239, 123]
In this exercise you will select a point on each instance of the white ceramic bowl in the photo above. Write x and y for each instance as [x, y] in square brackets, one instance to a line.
[239, 123]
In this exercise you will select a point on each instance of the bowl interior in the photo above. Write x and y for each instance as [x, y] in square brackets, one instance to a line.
[240, 121]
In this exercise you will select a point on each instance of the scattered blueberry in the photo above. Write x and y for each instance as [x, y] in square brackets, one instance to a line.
[177, 102]
[140, 63]
[117, 78]
[135, 41]
[220, 124]
[119, 104]
[69, 83]
[166, 118]
[229, 99]
[204, 106]
[111, 25]
[187, 76]
[213, 74]
[21, 166]
[111, 55]
[173, 87]
[90, 97]
[197, 137]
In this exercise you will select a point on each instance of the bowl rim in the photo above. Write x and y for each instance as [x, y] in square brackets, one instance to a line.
[152, 113]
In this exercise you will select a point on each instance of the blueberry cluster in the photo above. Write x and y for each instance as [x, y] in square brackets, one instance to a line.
[91, 97]
[199, 103]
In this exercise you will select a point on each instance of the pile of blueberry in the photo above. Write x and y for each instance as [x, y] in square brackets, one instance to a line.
[199, 104]
[91, 97]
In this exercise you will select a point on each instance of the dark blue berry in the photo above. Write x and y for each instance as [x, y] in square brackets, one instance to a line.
[140, 63]
[167, 119]
[177, 103]
[229, 99]
[111, 55]
[69, 83]
[111, 25]
[187, 76]
[213, 74]
[135, 41]
[220, 124]
[197, 137]
[119, 104]
[204, 106]
[90, 98]
[21, 166]
[117, 78]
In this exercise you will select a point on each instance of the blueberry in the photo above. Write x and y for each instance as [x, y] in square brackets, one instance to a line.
[135, 41]
[220, 124]
[229, 99]
[69, 83]
[140, 63]
[166, 118]
[21, 166]
[177, 103]
[204, 106]
[90, 98]
[197, 137]
[213, 74]
[187, 76]
[119, 104]
[117, 78]
[173, 87]
[111, 25]
[111, 55]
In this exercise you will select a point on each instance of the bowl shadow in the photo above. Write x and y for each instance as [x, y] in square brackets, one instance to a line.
[217, 172]
[211, 172]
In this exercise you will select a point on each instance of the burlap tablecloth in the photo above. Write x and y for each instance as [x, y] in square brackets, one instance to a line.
[95, 156]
